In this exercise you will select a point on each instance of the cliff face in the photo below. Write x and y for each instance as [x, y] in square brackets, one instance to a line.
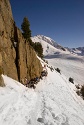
[17, 57]
[7, 51]
[27, 63]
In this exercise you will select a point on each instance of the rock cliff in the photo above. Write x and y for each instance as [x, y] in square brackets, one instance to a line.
[17, 57]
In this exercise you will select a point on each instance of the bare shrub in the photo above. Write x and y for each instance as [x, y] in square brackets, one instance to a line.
[77, 86]
[82, 91]
[78, 92]
[58, 70]
[71, 80]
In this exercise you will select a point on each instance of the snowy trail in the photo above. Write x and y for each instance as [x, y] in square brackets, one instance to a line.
[53, 102]
[57, 110]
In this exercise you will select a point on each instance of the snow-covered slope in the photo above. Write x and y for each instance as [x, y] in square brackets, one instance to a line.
[16, 103]
[69, 62]
[49, 45]
[46, 39]
[70, 66]
[53, 102]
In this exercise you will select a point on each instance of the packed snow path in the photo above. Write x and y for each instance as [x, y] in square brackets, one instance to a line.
[53, 102]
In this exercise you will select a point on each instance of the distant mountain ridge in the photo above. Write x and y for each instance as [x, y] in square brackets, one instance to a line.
[49, 43]
[81, 51]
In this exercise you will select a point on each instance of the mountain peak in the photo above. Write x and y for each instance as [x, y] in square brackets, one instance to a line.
[48, 44]
[52, 47]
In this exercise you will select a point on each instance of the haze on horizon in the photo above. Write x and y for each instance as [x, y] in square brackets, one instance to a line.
[62, 20]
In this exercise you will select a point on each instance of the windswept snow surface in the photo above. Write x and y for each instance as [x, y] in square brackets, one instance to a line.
[53, 102]
[70, 65]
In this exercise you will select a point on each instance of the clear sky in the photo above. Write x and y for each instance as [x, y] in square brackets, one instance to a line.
[62, 20]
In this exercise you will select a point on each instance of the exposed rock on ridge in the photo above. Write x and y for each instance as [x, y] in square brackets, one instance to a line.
[17, 57]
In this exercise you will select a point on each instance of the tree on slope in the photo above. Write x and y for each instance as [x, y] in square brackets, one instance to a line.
[27, 35]
[38, 48]
[26, 29]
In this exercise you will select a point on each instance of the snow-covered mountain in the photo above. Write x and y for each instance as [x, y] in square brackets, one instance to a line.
[53, 102]
[79, 51]
[50, 46]
[69, 61]
[46, 39]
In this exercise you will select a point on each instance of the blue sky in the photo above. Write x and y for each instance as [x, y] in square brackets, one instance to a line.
[62, 20]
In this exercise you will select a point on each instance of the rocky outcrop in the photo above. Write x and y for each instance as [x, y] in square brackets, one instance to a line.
[26, 60]
[7, 51]
[17, 57]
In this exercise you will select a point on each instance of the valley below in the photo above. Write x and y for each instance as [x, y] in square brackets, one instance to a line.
[70, 66]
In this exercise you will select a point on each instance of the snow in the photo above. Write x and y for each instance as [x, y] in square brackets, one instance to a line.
[16, 103]
[53, 102]
[69, 61]
[47, 44]
[78, 51]
[70, 66]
